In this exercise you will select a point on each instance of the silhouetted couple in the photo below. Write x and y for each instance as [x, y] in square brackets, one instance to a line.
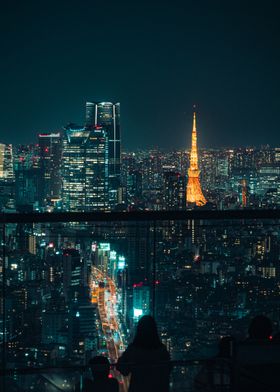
[146, 360]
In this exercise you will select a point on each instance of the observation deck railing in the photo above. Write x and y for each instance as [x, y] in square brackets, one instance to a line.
[202, 274]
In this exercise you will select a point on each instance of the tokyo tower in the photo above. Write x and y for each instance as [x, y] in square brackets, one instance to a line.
[194, 192]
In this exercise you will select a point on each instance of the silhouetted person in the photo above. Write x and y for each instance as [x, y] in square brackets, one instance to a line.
[100, 368]
[257, 363]
[146, 359]
[260, 328]
[217, 373]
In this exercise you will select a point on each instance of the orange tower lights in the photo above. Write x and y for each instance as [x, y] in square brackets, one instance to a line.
[194, 191]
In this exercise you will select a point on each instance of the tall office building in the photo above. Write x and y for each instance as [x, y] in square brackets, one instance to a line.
[107, 115]
[141, 300]
[7, 178]
[134, 187]
[27, 175]
[174, 192]
[6, 162]
[50, 164]
[85, 169]
[91, 114]
[54, 319]
[74, 273]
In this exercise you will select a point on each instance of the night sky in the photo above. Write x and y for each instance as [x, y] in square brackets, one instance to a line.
[156, 58]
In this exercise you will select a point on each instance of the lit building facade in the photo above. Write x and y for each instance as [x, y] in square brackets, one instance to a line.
[27, 175]
[141, 300]
[107, 115]
[174, 191]
[74, 273]
[134, 187]
[194, 191]
[7, 178]
[85, 169]
[50, 164]
[6, 162]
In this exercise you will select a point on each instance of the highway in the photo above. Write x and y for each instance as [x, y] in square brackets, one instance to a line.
[104, 294]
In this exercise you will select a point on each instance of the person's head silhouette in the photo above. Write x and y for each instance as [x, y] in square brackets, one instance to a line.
[100, 367]
[147, 334]
[260, 328]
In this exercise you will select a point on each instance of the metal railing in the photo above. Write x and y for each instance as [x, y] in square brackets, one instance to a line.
[154, 233]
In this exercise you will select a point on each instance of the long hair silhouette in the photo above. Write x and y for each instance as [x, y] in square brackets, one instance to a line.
[147, 334]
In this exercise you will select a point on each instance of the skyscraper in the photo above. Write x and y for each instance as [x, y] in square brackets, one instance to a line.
[134, 187]
[194, 192]
[6, 162]
[107, 115]
[27, 175]
[174, 192]
[85, 169]
[74, 273]
[50, 164]
[7, 177]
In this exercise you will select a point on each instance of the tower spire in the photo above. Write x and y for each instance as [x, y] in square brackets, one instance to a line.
[194, 192]
[194, 121]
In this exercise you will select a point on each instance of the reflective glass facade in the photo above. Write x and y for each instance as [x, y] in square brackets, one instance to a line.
[107, 115]
[85, 169]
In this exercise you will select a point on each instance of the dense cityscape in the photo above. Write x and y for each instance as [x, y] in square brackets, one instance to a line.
[74, 290]
[83, 168]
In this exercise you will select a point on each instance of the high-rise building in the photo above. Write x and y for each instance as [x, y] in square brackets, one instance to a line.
[85, 169]
[91, 114]
[27, 175]
[50, 164]
[102, 257]
[141, 300]
[7, 178]
[6, 162]
[134, 187]
[174, 192]
[194, 192]
[74, 273]
[107, 115]
[54, 318]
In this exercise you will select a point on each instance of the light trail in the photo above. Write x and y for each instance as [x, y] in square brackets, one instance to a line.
[106, 300]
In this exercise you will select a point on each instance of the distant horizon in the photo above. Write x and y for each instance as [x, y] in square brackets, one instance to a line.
[163, 149]
[130, 148]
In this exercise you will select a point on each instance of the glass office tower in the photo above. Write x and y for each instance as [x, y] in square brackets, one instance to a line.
[7, 176]
[50, 165]
[27, 176]
[85, 169]
[6, 162]
[107, 115]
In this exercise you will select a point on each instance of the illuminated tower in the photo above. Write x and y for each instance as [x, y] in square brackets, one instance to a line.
[194, 192]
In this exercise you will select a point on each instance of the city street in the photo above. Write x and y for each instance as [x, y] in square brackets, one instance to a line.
[103, 292]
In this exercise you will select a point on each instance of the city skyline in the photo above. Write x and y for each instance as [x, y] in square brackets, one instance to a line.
[139, 177]
[221, 56]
